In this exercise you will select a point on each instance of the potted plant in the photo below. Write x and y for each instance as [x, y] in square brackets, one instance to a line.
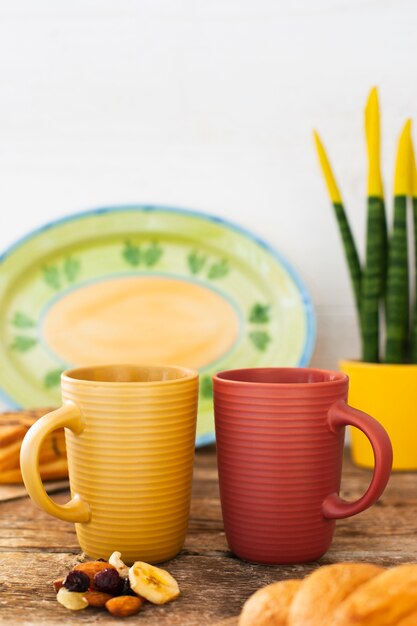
[384, 382]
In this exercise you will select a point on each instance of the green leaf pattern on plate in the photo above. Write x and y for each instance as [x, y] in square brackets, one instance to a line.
[23, 344]
[134, 255]
[21, 320]
[53, 378]
[57, 278]
[71, 268]
[51, 277]
[219, 269]
[196, 261]
[260, 339]
[131, 254]
[152, 254]
[259, 313]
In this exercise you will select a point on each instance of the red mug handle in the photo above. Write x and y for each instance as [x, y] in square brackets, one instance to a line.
[339, 416]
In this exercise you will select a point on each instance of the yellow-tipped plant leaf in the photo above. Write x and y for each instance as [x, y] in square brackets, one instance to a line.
[372, 131]
[413, 170]
[403, 180]
[331, 183]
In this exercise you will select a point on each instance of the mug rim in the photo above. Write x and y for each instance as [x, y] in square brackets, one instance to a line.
[335, 377]
[188, 374]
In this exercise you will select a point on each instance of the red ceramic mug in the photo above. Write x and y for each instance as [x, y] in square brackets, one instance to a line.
[280, 437]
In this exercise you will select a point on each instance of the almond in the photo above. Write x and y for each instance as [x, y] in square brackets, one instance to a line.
[91, 568]
[123, 606]
[58, 583]
[97, 598]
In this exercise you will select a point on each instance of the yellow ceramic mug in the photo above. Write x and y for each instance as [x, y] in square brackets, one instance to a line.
[130, 434]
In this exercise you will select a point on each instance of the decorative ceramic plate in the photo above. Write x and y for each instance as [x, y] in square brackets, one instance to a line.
[145, 285]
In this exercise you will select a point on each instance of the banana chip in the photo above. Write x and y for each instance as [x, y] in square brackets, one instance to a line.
[155, 584]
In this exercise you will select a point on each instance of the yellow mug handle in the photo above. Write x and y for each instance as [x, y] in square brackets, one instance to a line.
[68, 416]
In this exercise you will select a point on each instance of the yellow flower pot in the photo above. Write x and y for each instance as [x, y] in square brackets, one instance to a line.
[388, 393]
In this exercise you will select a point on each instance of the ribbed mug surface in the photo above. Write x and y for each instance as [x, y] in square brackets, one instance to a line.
[278, 460]
[133, 461]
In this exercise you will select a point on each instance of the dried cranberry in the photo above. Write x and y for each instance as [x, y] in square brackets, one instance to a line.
[77, 581]
[109, 581]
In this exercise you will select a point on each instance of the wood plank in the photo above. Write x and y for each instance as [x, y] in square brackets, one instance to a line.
[12, 492]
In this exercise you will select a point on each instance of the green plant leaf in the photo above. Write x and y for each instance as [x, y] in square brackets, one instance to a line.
[414, 318]
[71, 268]
[131, 254]
[218, 269]
[196, 262]
[152, 254]
[22, 343]
[260, 339]
[206, 387]
[53, 378]
[397, 291]
[259, 313]
[51, 277]
[21, 320]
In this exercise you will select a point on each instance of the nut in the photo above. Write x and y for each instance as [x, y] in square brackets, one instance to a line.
[97, 598]
[116, 561]
[58, 583]
[91, 568]
[73, 600]
[123, 606]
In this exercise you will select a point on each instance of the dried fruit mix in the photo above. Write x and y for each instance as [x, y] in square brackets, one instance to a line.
[122, 590]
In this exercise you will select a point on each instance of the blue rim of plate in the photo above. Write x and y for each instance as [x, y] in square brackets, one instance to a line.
[207, 438]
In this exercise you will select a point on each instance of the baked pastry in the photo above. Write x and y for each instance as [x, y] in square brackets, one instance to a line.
[323, 591]
[343, 594]
[269, 606]
[382, 601]
[408, 620]
[13, 427]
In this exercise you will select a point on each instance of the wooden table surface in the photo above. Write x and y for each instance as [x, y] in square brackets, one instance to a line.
[37, 548]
